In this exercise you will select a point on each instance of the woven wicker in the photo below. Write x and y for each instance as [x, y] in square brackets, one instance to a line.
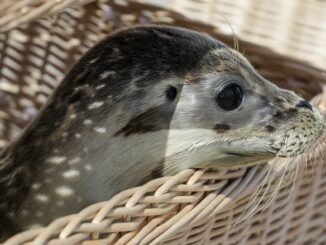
[282, 202]
[294, 27]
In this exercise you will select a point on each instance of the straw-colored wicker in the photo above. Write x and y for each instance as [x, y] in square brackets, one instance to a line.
[193, 207]
[294, 27]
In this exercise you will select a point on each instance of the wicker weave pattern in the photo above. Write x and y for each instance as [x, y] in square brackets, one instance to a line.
[35, 57]
[164, 212]
[294, 27]
[19, 12]
[193, 207]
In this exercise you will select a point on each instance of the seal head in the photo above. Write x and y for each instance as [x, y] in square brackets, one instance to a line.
[144, 102]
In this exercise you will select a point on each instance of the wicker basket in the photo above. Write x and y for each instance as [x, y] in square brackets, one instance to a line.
[293, 27]
[274, 203]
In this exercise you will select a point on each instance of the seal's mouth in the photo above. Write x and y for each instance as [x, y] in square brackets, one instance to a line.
[245, 159]
[229, 160]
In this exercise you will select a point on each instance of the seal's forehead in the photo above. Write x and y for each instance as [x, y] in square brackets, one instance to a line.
[153, 47]
[166, 36]
[229, 61]
[226, 60]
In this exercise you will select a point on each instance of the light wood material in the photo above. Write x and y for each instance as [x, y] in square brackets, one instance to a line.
[294, 27]
[193, 207]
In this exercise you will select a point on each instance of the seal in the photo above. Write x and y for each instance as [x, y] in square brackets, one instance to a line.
[145, 102]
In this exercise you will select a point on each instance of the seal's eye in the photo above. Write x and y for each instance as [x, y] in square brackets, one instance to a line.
[230, 97]
[171, 93]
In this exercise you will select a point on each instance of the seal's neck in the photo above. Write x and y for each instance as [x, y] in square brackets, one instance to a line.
[16, 177]
[58, 177]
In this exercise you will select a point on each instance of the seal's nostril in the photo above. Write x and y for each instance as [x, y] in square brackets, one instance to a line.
[304, 104]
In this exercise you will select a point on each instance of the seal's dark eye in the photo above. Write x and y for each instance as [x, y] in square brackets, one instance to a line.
[230, 97]
[171, 93]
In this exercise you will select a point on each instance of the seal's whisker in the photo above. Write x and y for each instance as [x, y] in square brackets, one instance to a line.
[235, 38]
[311, 163]
[255, 196]
[320, 152]
[313, 155]
[243, 216]
[323, 145]
[296, 171]
[276, 190]
[267, 191]
[306, 161]
[260, 206]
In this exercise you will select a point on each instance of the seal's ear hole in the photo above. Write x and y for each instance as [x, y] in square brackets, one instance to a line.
[171, 93]
[230, 97]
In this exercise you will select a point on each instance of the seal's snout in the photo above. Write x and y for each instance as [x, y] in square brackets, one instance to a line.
[304, 104]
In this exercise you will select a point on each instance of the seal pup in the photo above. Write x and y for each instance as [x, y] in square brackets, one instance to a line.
[145, 102]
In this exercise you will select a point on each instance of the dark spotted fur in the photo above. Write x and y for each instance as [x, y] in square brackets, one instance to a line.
[160, 50]
[128, 65]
